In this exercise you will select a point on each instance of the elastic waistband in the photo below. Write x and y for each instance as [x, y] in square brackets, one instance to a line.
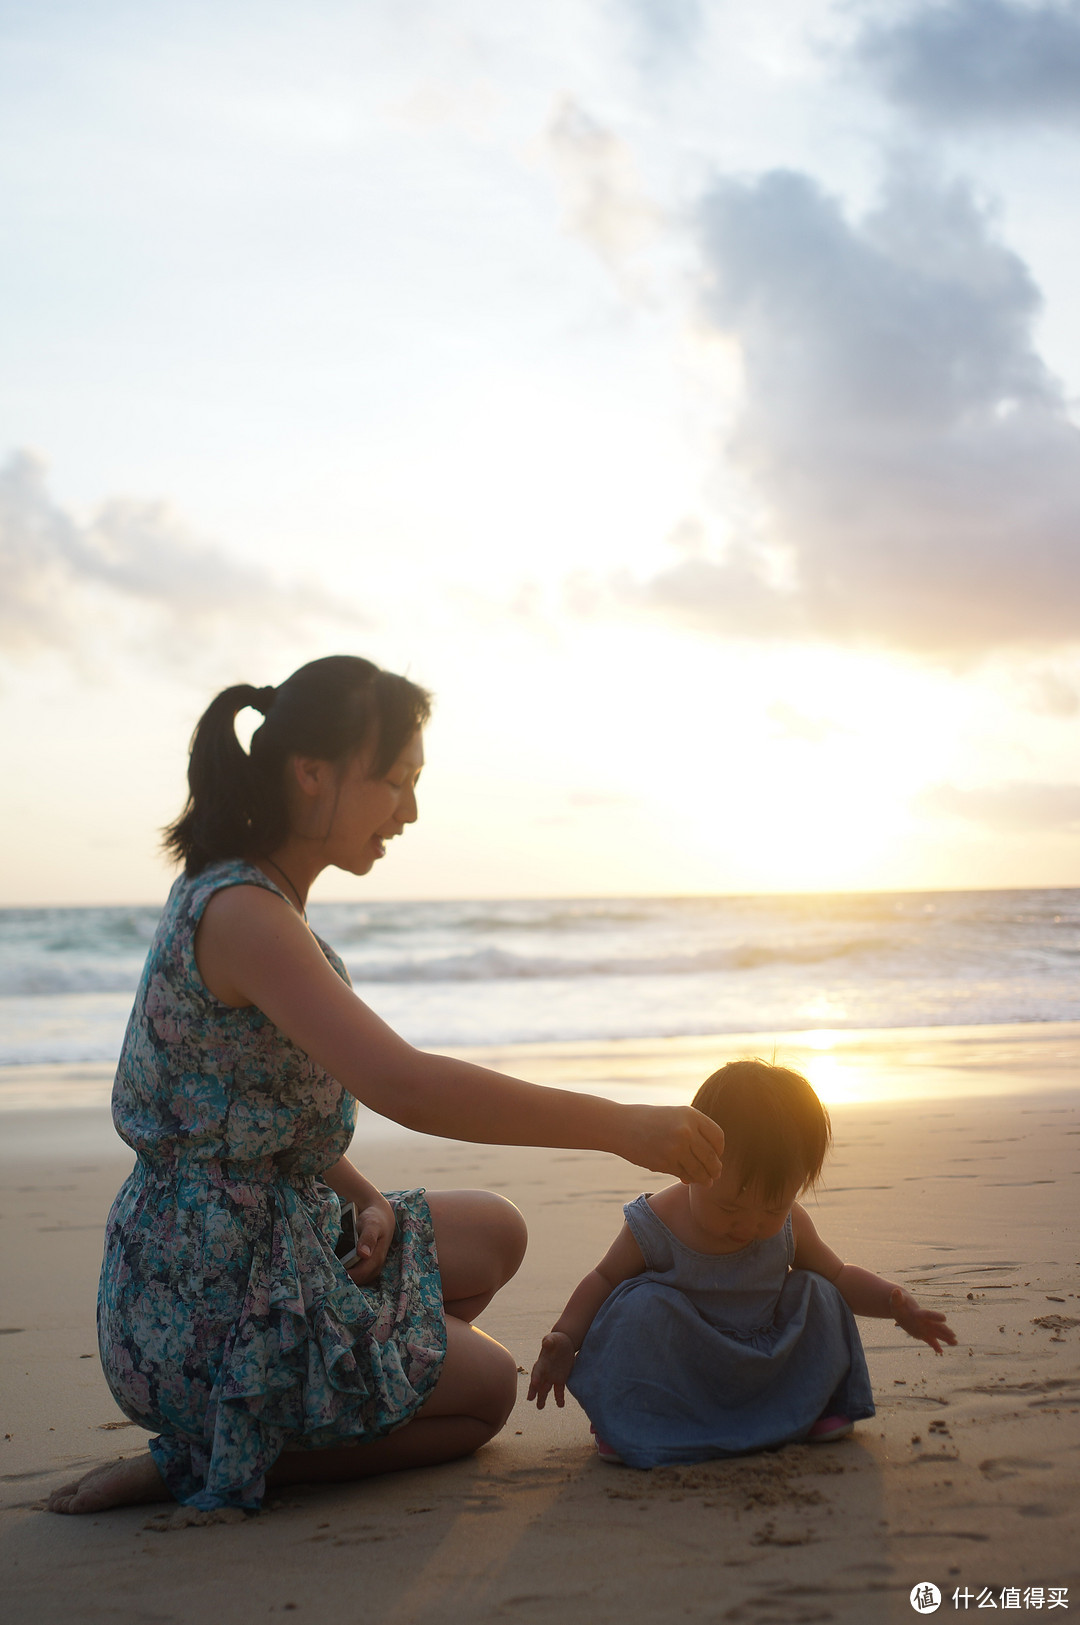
[275, 1170]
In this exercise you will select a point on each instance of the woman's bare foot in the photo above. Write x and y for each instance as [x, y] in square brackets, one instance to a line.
[120, 1483]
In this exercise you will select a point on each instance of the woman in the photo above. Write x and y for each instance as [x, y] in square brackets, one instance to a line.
[225, 1319]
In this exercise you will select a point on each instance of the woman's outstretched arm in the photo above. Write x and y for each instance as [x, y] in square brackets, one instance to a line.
[252, 948]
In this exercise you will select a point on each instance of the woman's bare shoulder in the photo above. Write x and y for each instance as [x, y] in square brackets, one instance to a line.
[242, 902]
[241, 923]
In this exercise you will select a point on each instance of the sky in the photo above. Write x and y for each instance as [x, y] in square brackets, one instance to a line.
[684, 390]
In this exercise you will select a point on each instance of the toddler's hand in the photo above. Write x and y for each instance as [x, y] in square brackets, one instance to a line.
[553, 1365]
[927, 1324]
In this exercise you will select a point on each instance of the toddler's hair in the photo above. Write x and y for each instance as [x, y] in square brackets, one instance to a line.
[776, 1128]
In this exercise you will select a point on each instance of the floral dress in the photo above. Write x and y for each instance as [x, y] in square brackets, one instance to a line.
[225, 1320]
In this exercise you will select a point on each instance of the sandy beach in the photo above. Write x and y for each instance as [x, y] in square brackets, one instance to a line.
[968, 1476]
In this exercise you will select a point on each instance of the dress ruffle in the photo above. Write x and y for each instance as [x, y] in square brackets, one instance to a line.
[310, 1359]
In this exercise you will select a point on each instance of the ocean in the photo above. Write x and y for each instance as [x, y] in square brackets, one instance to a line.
[467, 974]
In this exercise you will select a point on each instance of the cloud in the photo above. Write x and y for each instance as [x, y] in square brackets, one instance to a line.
[603, 202]
[1053, 694]
[911, 473]
[64, 580]
[664, 29]
[971, 62]
[1009, 809]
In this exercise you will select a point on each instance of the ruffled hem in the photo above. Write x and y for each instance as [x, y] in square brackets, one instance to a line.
[312, 1360]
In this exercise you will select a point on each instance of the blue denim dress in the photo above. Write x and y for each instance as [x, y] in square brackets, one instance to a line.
[708, 1355]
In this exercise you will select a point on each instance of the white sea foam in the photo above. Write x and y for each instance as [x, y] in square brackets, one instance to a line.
[473, 973]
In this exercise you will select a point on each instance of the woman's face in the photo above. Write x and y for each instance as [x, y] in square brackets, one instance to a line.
[364, 813]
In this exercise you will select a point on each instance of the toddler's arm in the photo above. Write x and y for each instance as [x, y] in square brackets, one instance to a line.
[866, 1293]
[559, 1349]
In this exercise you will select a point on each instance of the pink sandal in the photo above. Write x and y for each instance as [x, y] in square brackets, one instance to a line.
[828, 1428]
[605, 1451]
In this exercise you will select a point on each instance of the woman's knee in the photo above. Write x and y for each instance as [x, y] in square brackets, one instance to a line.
[500, 1389]
[479, 1377]
[510, 1232]
[481, 1239]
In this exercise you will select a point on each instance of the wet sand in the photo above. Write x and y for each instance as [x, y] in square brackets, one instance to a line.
[969, 1476]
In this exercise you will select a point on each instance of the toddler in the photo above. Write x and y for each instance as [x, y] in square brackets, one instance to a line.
[719, 1322]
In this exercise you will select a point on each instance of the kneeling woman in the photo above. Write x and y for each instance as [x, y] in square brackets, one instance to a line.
[226, 1321]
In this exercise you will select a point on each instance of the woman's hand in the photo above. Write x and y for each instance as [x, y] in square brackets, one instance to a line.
[926, 1324]
[374, 1233]
[553, 1365]
[673, 1140]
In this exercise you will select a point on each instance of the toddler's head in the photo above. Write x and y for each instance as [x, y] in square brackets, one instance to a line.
[776, 1130]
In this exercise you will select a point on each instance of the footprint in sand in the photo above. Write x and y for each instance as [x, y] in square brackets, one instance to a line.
[1010, 1466]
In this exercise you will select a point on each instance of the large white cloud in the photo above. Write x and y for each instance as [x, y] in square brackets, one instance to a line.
[912, 469]
[973, 61]
[61, 578]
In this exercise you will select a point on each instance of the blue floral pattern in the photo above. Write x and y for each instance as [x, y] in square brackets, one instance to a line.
[225, 1319]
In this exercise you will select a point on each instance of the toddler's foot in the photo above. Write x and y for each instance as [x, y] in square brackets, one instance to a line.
[605, 1451]
[828, 1428]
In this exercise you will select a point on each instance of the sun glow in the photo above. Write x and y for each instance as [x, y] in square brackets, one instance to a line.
[834, 1083]
[813, 772]
[632, 760]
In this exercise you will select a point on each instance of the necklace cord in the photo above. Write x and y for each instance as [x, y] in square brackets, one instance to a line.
[291, 885]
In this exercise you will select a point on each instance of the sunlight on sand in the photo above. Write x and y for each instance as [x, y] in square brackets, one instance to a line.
[846, 1067]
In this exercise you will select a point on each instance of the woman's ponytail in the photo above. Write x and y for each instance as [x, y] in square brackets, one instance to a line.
[330, 708]
[230, 806]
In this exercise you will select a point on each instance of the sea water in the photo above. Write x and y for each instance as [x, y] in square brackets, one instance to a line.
[465, 974]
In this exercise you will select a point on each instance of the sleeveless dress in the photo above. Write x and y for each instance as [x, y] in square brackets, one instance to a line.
[708, 1355]
[225, 1320]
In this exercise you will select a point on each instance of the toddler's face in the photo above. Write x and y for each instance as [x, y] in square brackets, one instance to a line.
[732, 1213]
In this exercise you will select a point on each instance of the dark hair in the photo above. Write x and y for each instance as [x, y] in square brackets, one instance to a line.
[776, 1128]
[330, 708]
